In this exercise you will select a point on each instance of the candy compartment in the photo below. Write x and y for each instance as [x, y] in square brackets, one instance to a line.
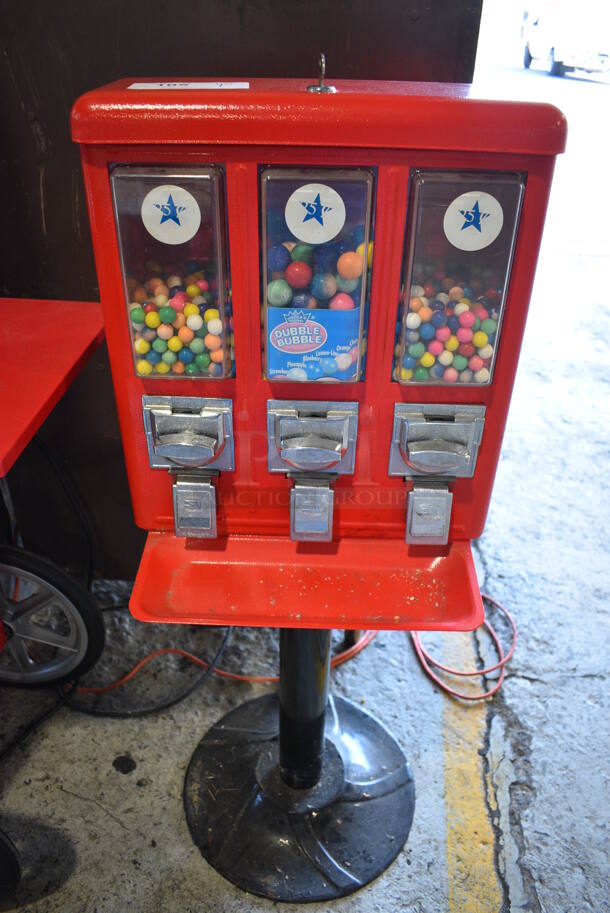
[172, 240]
[316, 256]
[458, 254]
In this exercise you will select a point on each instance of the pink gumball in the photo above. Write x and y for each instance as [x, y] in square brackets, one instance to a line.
[341, 302]
[464, 334]
[443, 333]
[203, 284]
[450, 375]
[475, 363]
[467, 319]
[178, 301]
[435, 347]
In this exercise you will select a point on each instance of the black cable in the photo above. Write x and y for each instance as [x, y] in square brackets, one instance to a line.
[37, 721]
[165, 705]
[76, 502]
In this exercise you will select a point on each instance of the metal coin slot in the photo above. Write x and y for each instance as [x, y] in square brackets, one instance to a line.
[311, 437]
[435, 440]
[188, 432]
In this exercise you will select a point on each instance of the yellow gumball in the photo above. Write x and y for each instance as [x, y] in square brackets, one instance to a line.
[360, 250]
[143, 367]
[479, 339]
[174, 344]
[142, 346]
[427, 360]
[152, 320]
[193, 290]
[406, 373]
[452, 344]
[161, 368]
[211, 314]
[190, 310]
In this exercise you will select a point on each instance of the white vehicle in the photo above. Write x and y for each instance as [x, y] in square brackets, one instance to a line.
[566, 37]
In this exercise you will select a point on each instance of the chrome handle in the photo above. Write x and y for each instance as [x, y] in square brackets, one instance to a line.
[186, 448]
[311, 453]
[435, 456]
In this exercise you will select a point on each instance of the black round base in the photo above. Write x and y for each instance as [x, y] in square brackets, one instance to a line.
[299, 844]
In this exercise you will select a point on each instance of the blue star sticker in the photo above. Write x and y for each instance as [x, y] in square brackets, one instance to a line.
[315, 210]
[170, 211]
[473, 217]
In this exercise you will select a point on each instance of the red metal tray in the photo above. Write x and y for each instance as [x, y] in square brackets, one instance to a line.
[272, 581]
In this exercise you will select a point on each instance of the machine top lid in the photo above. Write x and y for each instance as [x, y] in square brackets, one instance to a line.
[281, 112]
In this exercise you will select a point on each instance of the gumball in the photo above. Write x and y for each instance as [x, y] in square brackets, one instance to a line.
[185, 334]
[202, 361]
[442, 296]
[482, 376]
[489, 326]
[161, 300]
[200, 300]
[173, 281]
[178, 367]
[137, 314]
[438, 320]
[453, 323]
[436, 305]
[425, 313]
[409, 362]
[159, 345]
[328, 365]
[437, 371]
[211, 314]
[212, 342]
[475, 363]
[197, 345]
[415, 304]
[486, 352]
[299, 374]
[467, 318]
[452, 343]
[481, 312]
[479, 339]
[302, 252]
[279, 294]
[215, 326]
[168, 357]
[140, 295]
[298, 274]
[417, 350]
[180, 321]
[144, 367]
[185, 356]
[194, 322]
[427, 331]
[152, 320]
[412, 336]
[350, 265]
[215, 370]
[175, 290]
[406, 374]
[341, 302]
[203, 285]
[445, 358]
[420, 374]
[369, 257]
[191, 370]
[161, 368]
[192, 290]
[174, 344]
[413, 321]
[167, 314]
[459, 362]
[466, 349]
[443, 333]
[323, 286]
[141, 346]
[278, 258]
[347, 285]
[179, 300]
[149, 334]
[153, 357]
[464, 335]
[191, 310]
[462, 308]
[427, 360]
[217, 356]
[149, 309]
[450, 375]
[435, 347]
[429, 290]
[466, 377]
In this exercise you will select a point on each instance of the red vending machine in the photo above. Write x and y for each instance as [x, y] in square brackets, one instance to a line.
[314, 299]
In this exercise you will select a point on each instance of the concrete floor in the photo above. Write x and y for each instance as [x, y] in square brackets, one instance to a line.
[512, 795]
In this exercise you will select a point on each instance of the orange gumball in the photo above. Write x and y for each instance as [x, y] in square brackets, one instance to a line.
[178, 367]
[350, 265]
[212, 342]
[415, 304]
[425, 313]
[179, 321]
[217, 356]
[185, 334]
[140, 295]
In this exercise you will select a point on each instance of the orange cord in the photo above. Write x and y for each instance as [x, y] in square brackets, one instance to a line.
[337, 660]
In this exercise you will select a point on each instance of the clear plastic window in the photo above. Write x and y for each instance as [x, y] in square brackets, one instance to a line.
[458, 254]
[316, 258]
[172, 240]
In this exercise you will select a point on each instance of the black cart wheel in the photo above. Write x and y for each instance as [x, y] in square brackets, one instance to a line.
[53, 627]
[527, 57]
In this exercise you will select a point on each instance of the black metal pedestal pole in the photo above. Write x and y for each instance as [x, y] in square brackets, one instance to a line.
[299, 796]
[304, 671]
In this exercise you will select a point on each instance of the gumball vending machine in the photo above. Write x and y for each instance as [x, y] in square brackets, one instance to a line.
[314, 300]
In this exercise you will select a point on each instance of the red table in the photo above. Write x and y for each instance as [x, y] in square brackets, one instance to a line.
[43, 346]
